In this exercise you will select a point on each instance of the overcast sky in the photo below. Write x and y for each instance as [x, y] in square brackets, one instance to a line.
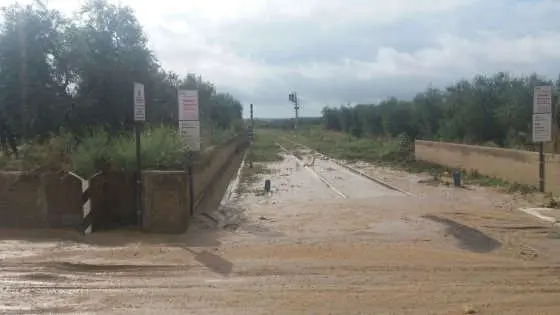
[345, 51]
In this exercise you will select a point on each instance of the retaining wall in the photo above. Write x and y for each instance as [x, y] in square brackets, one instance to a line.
[166, 193]
[30, 200]
[511, 165]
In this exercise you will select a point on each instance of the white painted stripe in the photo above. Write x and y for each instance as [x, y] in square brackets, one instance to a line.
[88, 229]
[372, 178]
[321, 178]
[536, 213]
[324, 180]
[86, 207]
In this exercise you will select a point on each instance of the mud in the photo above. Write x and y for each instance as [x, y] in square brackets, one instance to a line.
[302, 250]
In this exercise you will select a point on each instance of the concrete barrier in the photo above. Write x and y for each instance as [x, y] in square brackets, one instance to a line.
[166, 197]
[49, 200]
[512, 165]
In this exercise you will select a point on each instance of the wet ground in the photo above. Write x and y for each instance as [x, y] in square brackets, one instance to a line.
[325, 241]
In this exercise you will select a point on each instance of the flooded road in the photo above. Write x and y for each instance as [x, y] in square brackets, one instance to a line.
[303, 249]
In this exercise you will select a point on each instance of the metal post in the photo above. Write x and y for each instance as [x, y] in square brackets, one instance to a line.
[138, 186]
[541, 167]
[296, 101]
[190, 180]
[251, 138]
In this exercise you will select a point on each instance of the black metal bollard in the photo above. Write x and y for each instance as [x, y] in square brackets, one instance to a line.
[456, 178]
[267, 185]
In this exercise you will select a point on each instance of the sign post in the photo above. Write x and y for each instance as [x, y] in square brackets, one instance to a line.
[542, 124]
[139, 117]
[189, 127]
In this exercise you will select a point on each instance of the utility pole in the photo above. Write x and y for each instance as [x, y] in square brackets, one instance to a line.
[251, 138]
[294, 99]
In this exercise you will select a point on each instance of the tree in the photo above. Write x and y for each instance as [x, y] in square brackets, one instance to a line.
[78, 74]
[495, 109]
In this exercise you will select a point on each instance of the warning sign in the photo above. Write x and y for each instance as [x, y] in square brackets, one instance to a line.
[188, 104]
[139, 102]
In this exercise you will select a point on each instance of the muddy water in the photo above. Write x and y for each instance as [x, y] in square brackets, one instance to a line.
[303, 249]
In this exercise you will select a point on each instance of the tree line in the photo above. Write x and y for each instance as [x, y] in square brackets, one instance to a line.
[77, 73]
[493, 109]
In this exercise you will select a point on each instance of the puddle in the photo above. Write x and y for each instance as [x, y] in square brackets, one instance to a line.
[469, 238]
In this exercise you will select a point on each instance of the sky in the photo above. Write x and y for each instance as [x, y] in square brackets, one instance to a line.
[335, 52]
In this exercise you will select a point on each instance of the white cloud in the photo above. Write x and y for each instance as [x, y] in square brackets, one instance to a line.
[337, 51]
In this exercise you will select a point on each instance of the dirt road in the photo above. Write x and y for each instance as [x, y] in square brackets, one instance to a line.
[326, 241]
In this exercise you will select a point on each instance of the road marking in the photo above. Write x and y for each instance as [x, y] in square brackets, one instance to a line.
[324, 180]
[315, 173]
[356, 171]
[536, 213]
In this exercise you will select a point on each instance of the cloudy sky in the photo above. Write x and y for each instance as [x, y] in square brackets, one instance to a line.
[345, 51]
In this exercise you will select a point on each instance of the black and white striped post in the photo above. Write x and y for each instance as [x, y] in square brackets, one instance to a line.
[87, 215]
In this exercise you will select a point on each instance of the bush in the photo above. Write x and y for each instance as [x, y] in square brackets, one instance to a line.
[162, 147]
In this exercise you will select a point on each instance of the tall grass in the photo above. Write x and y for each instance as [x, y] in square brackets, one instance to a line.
[344, 146]
[162, 147]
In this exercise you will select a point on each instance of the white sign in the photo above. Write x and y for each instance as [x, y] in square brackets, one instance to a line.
[139, 102]
[190, 130]
[542, 99]
[542, 130]
[188, 104]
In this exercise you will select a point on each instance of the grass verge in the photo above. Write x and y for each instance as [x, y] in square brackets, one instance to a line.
[264, 148]
[162, 148]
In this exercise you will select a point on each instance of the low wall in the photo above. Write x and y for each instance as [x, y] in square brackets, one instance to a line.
[166, 193]
[511, 165]
[31, 200]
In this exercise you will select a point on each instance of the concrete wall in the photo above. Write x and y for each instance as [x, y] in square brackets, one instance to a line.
[112, 200]
[166, 202]
[31, 200]
[511, 165]
[166, 193]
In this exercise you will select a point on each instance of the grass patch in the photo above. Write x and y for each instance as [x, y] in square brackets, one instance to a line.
[264, 148]
[442, 175]
[343, 146]
[162, 148]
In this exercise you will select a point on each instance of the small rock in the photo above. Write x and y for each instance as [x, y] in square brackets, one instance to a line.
[264, 218]
[469, 309]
